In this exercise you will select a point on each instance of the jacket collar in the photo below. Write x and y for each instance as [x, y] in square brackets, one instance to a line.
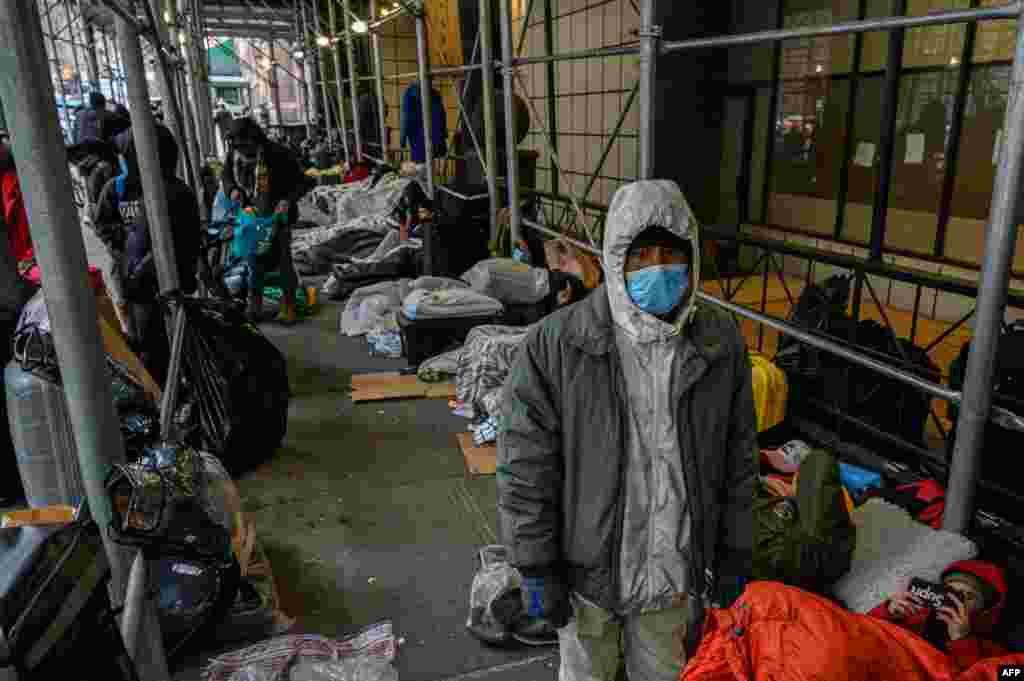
[589, 326]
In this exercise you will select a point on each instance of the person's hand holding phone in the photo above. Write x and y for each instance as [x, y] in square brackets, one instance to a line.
[955, 616]
[904, 604]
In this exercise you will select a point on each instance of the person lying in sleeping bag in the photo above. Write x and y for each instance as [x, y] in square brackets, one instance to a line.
[977, 594]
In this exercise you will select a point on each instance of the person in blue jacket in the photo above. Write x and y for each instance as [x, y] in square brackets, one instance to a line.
[412, 124]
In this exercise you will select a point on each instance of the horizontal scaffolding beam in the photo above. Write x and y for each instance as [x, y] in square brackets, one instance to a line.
[1001, 416]
[1010, 11]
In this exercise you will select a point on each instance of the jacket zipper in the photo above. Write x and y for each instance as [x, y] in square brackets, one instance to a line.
[699, 564]
[620, 505]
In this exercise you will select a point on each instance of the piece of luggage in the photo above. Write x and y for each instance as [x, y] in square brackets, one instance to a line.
[459, 234]
[56, 620]
[807, 540]
[44, 443]
[1001, 444]
[426, 338]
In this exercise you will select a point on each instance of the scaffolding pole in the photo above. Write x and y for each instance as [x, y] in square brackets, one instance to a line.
[650, 35]
[336, 54]
[69, 136]
[509, 70]
[199, 77]
[309, 67]
[328, 114]
[378, 83]
[1000, 243]
[351, 53]
[422, 60]
[275, 93]
[490, 117]
[92, 61]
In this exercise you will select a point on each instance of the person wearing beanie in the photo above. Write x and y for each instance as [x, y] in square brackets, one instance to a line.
[977, 595]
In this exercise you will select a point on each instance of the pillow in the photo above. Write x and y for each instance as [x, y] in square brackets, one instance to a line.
[892, 548]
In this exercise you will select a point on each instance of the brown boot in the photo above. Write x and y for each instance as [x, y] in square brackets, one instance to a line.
[254, 308]
[287, 315]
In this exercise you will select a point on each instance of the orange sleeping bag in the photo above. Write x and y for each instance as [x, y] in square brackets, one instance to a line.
[779, 633]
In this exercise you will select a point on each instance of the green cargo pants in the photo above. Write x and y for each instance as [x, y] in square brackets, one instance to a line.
[600, 646]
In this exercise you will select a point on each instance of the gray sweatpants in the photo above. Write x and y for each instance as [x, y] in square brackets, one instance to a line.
[598, 645]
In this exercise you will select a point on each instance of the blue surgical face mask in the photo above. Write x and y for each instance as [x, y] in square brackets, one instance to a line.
[658, 289]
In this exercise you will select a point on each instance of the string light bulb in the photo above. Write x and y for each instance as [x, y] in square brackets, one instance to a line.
[323, 41]
[360, 27]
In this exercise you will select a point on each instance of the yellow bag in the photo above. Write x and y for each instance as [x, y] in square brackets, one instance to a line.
[770, 392]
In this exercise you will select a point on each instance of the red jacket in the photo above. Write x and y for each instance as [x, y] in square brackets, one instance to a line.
[14, 216]
[967, 651]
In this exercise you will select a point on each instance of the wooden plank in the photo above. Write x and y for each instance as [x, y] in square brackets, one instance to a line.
[392, 386]
[479, 460]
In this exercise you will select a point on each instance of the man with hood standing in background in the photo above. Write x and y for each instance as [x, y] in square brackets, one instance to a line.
[272, 178]
[627, 455]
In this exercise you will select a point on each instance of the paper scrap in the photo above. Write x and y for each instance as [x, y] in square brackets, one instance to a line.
[997, 147]
[915, 148]
[865, 155]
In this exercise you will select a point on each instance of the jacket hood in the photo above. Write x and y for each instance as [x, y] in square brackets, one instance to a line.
[635, 207]
[167, 147]
[985, 620]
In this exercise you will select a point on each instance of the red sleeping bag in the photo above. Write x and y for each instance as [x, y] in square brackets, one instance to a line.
[776, 632]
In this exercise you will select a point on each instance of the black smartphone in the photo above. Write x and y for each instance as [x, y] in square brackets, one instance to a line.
[930, 594]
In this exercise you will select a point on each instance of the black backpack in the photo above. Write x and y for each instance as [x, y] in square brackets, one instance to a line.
[1002, 445]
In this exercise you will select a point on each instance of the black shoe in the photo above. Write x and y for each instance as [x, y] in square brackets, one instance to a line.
[535, 631]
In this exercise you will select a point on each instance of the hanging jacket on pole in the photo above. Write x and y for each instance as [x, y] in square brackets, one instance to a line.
[412, 124]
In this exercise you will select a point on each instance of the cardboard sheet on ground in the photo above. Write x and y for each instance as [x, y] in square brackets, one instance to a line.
[479, 460]
[392, 386]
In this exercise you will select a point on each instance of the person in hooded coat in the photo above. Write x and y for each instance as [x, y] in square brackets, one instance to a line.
[627, 454]
[961, 629]
[274, 181]
[120, 221]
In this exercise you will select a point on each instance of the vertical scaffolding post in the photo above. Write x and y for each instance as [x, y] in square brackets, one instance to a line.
[300, 41]
[650, 37]
[490, 119]
[328, 114]
[199, 78]
[995, 275]
[309, 67]
[92, 62]
[336, 53]
[423, 62]
[352, 83]
[378, 78]
[275, 86]
[508, 71]
[70, 136]
[71, 21]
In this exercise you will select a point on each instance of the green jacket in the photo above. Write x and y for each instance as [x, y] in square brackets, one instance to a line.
[561, 453]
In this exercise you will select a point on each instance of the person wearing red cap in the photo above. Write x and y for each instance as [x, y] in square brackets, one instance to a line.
[978, 592]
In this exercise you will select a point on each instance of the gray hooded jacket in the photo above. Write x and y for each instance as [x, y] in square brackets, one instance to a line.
[627, 453]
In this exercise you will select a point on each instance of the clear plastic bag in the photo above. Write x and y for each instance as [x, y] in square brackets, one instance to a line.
[362, 668]
[494, 598]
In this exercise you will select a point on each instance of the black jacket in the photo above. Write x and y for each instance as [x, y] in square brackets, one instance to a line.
[287, 179]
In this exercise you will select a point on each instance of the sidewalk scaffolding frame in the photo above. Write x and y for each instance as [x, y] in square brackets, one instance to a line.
[992, 292]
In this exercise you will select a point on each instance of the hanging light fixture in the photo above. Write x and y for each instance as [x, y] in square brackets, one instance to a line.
[323, 41]
[359, 26]
[182, 39]
[298, 55]
[168, 17]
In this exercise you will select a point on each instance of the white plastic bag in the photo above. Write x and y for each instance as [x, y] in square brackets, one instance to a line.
[509, 281]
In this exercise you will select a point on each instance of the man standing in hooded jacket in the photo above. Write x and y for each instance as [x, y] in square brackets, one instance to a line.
[627, 455]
